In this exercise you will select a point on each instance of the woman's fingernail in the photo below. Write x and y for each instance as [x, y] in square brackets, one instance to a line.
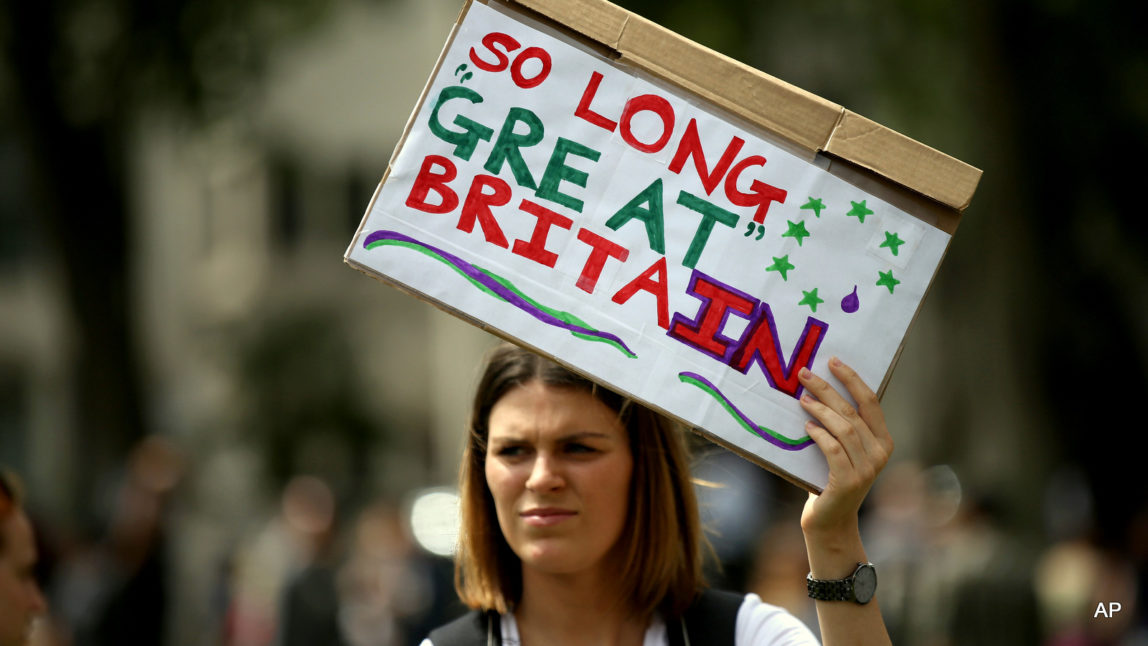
[805, 374]
[806, 398]
[835, 361]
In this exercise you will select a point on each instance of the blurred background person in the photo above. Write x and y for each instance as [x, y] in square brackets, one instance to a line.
[281, 587]
[309, 602]
[391, 593]
[21, 601]
[114, 586]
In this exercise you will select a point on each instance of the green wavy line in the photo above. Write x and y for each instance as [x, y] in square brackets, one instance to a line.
[427, 252]
[740, 420]
[565, 317]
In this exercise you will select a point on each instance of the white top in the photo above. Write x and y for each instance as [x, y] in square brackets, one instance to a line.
[758, 624]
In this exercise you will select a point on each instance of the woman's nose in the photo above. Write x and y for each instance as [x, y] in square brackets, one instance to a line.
[544, 476]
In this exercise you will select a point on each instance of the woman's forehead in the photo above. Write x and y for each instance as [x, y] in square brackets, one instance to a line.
[534, 407]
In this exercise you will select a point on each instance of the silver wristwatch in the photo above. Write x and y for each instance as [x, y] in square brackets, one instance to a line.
[858, 587]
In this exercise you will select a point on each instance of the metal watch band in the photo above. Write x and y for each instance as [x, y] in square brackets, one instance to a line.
[858, 587]
[829, 590]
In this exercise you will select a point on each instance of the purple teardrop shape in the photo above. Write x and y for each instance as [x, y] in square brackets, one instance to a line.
[851, 303]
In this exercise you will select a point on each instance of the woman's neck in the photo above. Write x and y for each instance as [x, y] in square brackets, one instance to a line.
[576, 609]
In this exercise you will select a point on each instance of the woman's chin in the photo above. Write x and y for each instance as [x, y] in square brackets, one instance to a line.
[552, 556]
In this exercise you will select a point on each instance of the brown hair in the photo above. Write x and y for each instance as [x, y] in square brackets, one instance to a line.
[662, 540]
[10, 498]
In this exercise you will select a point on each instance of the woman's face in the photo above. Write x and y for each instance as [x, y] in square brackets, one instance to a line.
[558, 465]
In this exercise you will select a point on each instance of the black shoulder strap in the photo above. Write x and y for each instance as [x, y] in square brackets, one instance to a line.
[711, 620]
[475, 628]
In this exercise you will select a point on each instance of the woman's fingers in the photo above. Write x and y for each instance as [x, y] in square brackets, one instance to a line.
[859, 429]
[837, 415]
[855, 441]
[842, 430]
[867, 402]
[841, 498]
[840, 462]
[827, 394]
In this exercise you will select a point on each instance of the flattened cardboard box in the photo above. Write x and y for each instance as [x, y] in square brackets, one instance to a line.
[668, 221]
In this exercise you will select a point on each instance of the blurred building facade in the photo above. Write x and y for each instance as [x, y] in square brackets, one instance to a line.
[252, 329]
[242, 223]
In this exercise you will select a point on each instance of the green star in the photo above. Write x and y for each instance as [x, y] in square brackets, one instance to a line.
[893, 242]
[859, 210]
[782, 266]
[811, 299]
[815, 205]
[797, 230]
[887, 280]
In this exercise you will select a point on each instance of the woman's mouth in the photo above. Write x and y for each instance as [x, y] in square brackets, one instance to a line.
[546, 516]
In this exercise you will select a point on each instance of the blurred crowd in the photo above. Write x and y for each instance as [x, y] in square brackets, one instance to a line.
[305, 574]
[310, 572]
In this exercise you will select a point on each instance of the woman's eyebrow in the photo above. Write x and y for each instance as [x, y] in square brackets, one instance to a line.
[581, 435]
[507, 438]
[515, 438]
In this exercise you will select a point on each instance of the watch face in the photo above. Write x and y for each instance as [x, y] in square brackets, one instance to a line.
[865, 583]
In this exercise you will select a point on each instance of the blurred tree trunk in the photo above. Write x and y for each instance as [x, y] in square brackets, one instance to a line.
[80, 186]
[1077, 83]
[78, 75]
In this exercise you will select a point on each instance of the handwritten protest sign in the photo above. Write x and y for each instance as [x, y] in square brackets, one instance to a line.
[642, 235]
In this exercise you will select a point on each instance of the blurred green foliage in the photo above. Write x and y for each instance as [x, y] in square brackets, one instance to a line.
[1050, 267]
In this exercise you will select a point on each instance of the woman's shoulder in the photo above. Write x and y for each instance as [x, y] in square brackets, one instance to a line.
[762, 624]
[472, 628]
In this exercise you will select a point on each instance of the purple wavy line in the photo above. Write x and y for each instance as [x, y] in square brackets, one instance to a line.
[493, 285]
[745, 418]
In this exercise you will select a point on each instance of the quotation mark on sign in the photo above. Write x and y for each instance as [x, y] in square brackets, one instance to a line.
[760, 230]
[465, 77]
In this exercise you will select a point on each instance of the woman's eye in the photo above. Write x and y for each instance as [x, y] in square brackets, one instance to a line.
[510, 451]
[580, 448]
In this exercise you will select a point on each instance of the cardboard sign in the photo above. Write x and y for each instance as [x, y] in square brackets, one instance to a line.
[642, 233]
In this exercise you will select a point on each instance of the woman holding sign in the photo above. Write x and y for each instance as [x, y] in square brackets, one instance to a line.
[580, 526]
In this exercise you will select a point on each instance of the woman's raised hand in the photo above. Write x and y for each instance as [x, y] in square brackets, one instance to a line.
[856, 444]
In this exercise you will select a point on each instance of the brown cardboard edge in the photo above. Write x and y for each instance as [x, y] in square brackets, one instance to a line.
[602, 22]
[768, 102]
[806, 119]
[923, 208]
[743, 119]
[811, 122]
[903, 160]
[443, 307]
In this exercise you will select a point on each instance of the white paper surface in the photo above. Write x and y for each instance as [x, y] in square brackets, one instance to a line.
[828, 261]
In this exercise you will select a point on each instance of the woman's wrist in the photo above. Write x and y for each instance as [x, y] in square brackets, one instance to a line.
[834, 553]
[843, 532]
